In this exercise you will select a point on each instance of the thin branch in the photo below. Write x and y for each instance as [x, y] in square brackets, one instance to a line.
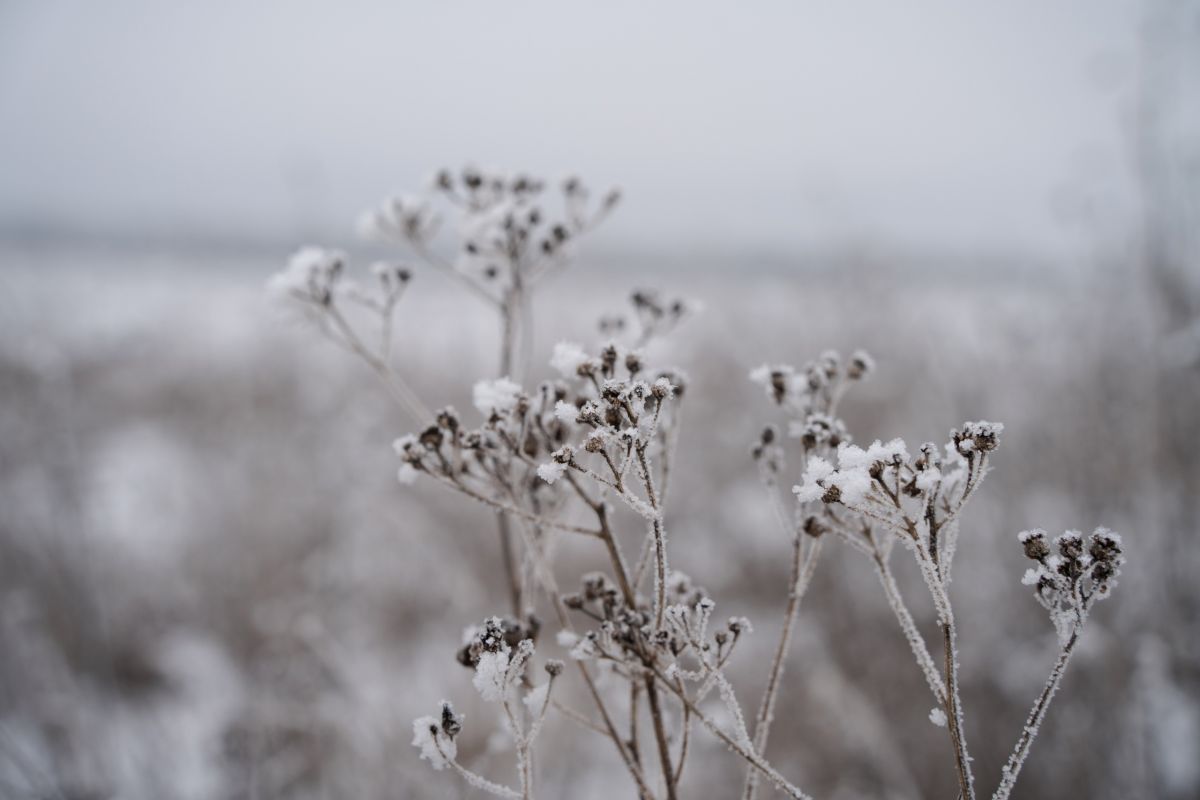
[1012, 768]
[804, 564]
[915, 640]
[509, 509]
[749, 755]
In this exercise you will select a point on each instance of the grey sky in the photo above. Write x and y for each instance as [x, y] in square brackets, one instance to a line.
[781, 125]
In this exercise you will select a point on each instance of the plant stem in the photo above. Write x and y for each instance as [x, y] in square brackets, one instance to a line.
[508, 553]
[954, 716]
[803, 567]
[915, 640]
[1012, 767]
[753, 758]
[660, 736]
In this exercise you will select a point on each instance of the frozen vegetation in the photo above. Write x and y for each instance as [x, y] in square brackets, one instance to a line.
[645, 543]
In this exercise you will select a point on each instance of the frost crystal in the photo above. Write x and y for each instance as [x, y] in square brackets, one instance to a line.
[853, 457]
[536, 698]
[567, 359]
[551, 471]
[817, 471]
[427, 737]
[565, 412]
[938, 717]
[853, 484]
[490, 674]
[928, 478]
[498, 395]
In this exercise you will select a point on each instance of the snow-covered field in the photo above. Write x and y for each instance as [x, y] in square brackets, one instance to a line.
[212, 586]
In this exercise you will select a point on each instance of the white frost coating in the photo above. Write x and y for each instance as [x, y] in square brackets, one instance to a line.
[308, 267]
[735, 711]
[915, 640]
[937, 717]
[854, 457]
[536, 698]
[565, 412]
[1033, 722]
[928, 478]
[566, 639]
[566, 359]
[427, 738]
[551, 471]
[854, 484]
[640, 507]
[584, 649]
[404, 445]
[407, 474]
[851, 456]
[816, 471]
[490, 674]
[498, 395]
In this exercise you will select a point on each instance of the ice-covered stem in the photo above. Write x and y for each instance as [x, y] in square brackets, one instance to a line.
[480, 782]
[660, 604]
[508, 555]
[660, 735]
[545, 577]
[631, 764]
[1012, 768]
[445, 267]
[954, 714]
[915, 640]
[659, 534]
[753, 758]
[513, 511]
[804, 564]
[1066, 584]
[635, 693]
[622, 574]
[400, 391]
[928, 562]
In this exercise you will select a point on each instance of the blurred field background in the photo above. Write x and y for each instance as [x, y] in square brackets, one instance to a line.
[211, 584]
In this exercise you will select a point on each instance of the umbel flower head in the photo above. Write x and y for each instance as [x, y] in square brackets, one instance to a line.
[1069, 581]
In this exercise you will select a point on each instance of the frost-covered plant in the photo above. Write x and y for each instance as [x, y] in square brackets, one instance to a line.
[588, 448]
[506, 240]
[499, 653]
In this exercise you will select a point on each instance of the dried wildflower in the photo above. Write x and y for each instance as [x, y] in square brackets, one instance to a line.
[434, 736]
[1069, 582]
[777, 380]
[312, 275]
[979, 437]
[611, 420]
[401, 219]
[861, 365]
[818, 429]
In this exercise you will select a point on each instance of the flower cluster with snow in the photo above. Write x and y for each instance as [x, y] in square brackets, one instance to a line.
[590, 448]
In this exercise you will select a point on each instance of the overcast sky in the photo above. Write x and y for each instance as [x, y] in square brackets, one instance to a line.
[777, 124]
